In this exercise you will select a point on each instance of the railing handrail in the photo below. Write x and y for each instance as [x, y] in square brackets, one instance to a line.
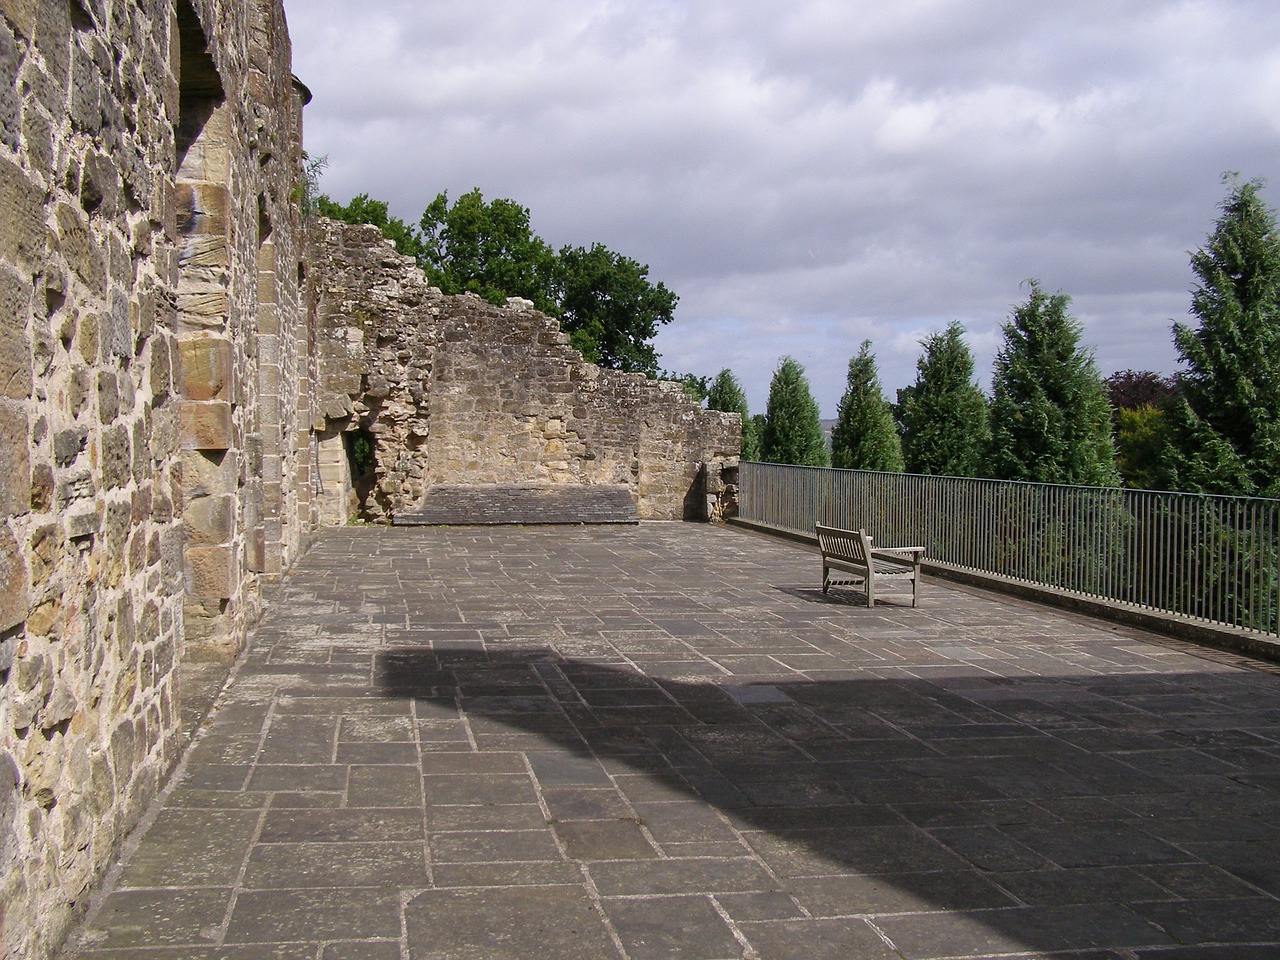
[1211, 557]
[1020, 483]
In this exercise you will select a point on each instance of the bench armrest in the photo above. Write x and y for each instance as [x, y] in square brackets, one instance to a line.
[911, 555]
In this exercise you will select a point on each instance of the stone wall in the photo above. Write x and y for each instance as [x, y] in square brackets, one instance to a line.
[457, 391]
[183, 387]
[154, 403]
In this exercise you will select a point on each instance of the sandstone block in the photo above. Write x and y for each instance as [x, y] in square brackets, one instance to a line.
[116, 457]
[22, 14]
[210, 472]
[207, 251]
[160, 366]
[209, 520]
[13, 581]
[202, 209]
[208, 572]
[204, 309]
[207, 426]
[15, 475]
[82, 520]
[204, 368]
[10, 105]
[83, 255]
[22, 229]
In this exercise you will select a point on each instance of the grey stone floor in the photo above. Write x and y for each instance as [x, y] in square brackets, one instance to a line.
[664, 742]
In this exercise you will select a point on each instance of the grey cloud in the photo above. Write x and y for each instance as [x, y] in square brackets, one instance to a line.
[808, 174]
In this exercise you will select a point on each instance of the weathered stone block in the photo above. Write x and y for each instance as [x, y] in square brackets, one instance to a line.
[13, 581]
[209, 520]
[82, 520]
[116, 457]
[203, 309]
[10, 105]
[15, 474]
[82, 253]
[204, 368]
[209, 573]
[255, 550]
[202, 210]
[207, 426]
[22, 229]
[160, 366]
[22, 14]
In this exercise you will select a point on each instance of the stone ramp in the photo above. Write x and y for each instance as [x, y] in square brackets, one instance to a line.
[525, 504]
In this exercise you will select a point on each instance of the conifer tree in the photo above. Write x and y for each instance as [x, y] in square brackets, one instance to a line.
[726, 394]
[792, 427]
[1050, 420]
[865, 436]
[946, 428]
[1225, 427]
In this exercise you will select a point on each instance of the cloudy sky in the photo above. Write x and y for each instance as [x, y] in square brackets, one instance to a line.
[812, 173]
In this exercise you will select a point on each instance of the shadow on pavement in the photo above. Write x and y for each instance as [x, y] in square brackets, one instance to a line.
[972, 816]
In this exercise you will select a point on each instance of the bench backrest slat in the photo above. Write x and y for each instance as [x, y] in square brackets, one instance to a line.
[849, 544]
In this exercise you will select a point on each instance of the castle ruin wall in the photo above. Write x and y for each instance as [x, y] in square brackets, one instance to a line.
[456, 391]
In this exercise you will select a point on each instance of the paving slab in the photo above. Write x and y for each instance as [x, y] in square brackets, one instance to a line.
[663, 740]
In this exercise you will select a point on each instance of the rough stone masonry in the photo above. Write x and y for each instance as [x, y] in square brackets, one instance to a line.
[182, 385]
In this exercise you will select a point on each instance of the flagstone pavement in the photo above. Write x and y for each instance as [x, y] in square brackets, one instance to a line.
[663, 741]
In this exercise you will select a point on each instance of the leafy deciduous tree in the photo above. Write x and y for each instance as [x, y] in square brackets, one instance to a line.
[611, 310]
[1132, 389]
[1050, 421]
[865, 436]
[364, 209]
[604, 301]
[946, 428]
[487, 248]
[792, 427]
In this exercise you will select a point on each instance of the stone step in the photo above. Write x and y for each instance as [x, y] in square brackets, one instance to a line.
[489, 504]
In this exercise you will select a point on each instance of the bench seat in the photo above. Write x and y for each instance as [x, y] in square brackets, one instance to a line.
[852, 552]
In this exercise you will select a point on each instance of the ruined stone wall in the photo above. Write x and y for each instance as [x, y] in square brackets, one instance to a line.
[454, 390]
[154, 403]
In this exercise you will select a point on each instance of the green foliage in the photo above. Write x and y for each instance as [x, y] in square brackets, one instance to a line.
[306, 194]
[364, 209]
[946, 428]
[1225, 427]
[865, 436]
[610, 309]
[1050, 420]
[792, 427]
[1141, 438]
[604, 301]
[694, 386]
[488, 249]
[756, 437]
[726, 394]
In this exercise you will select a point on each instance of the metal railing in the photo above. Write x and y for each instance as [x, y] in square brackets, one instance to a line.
[1212, 558]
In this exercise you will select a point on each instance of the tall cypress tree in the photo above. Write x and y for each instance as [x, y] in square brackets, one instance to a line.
[792, 427]
[1225, 427]
[1050, 420]
[865, 436]
[945, 422]
[726, 394]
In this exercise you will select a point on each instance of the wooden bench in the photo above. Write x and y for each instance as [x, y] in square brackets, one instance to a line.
[851, 551]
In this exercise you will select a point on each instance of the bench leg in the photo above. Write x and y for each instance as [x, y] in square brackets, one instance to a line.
[871, 589]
